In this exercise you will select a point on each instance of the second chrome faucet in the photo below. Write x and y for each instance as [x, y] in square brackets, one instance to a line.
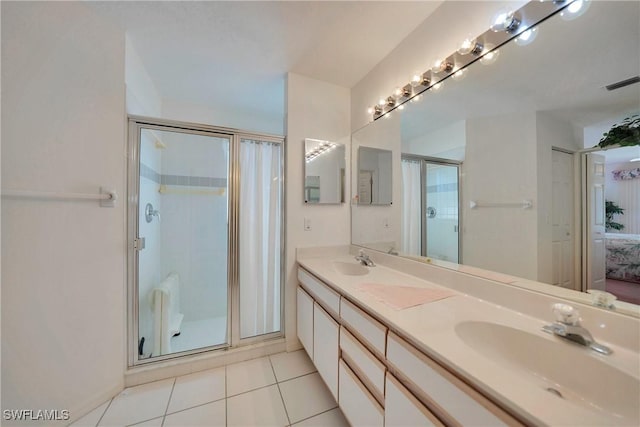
[567, 326]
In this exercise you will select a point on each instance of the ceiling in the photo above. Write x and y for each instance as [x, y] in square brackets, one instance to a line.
[239, 52]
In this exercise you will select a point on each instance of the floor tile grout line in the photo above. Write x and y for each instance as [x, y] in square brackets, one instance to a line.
[253, 389]
[280, 392]
[194, 406]
[226, 410]
[299, 376]
[320, 413]
[166, 409]
[105, 411]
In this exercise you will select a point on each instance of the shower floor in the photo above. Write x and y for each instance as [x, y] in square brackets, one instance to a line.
[200, 333]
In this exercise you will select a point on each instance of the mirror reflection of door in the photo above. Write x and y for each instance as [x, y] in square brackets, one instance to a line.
[562, 215]
[365, 187]
[595, 221]
[430, 207]
[441, 211]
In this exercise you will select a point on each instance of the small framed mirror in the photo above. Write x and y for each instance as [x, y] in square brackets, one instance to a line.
[324, 172]
[374, 176]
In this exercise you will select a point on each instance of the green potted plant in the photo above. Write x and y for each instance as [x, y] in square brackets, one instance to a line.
[611, 209]
[623, 134]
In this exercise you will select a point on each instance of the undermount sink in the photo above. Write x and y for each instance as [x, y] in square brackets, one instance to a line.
[350, 268]
[569, 371]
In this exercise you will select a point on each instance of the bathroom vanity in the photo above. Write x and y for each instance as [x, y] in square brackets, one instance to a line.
[472, 353]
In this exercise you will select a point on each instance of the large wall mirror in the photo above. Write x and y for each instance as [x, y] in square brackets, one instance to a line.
[521, 125]
[374, 176]
[324, 172]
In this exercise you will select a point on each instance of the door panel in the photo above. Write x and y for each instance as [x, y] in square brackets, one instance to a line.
[562, 220]
[595, 245]
[182, 280]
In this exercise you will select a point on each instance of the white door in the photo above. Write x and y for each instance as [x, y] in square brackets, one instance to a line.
[595, 221]
[562, 245]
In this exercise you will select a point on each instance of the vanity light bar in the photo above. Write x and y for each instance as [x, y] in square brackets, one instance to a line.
[512, 24]
[322, 148]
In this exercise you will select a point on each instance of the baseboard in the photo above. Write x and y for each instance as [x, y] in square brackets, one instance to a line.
[200, 362]
[85, 407]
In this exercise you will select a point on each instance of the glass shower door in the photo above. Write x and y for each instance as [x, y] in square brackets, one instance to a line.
[440, 215]
[182, 244]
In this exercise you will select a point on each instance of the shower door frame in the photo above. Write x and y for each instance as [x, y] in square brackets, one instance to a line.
[234, 136]
[424, 160]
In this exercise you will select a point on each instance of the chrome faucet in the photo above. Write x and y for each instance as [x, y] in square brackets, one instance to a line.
[364, 259]
[567, 326]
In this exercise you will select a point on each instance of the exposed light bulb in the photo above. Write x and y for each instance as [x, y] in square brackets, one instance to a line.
[397, 92]
[370, 110]
[382, 102]
[505, 20]
[415, 80]
[470, 46]
[442, 65]
[436, 86]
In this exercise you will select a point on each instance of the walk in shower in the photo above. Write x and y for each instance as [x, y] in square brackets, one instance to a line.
[205, 231]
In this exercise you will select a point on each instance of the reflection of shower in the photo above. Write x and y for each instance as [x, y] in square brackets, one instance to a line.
[149, 213]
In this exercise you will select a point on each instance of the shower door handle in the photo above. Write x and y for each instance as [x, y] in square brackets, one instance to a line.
[139, 243]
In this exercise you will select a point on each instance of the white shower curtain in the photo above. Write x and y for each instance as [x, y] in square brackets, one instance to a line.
[260, 243]
[411, 234]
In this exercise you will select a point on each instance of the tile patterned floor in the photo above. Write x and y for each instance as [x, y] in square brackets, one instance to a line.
[281, 390]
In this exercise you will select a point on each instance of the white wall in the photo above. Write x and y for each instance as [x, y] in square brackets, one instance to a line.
[63, 129]
[501, 239]
[447, 142]
[439, 35]
[225, 116]
[316, 110]
[143, 98]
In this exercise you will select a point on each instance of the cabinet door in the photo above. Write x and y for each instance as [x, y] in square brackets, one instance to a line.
[357, 404]
[325, 347]
[305, 321]
[401, 408]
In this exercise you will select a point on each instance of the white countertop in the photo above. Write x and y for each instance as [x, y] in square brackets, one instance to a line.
[431, 328]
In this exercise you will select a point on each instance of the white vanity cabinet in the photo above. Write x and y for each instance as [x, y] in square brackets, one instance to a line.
[304, 320]
[453, 401]
[317, 330]
[378, 378]
[356, 402]
[325, 347]
[402, 409]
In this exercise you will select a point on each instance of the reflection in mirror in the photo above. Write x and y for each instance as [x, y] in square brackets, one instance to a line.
[521, 127]
[324, 172]
[374, 176]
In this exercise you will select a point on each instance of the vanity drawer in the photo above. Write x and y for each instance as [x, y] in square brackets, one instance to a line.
[365, 327]
[401, 408]
[453, 401]
[358, 405]
[365, 364]
[326, 296]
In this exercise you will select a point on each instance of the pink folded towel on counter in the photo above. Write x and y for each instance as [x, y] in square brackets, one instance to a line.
[401, 297]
